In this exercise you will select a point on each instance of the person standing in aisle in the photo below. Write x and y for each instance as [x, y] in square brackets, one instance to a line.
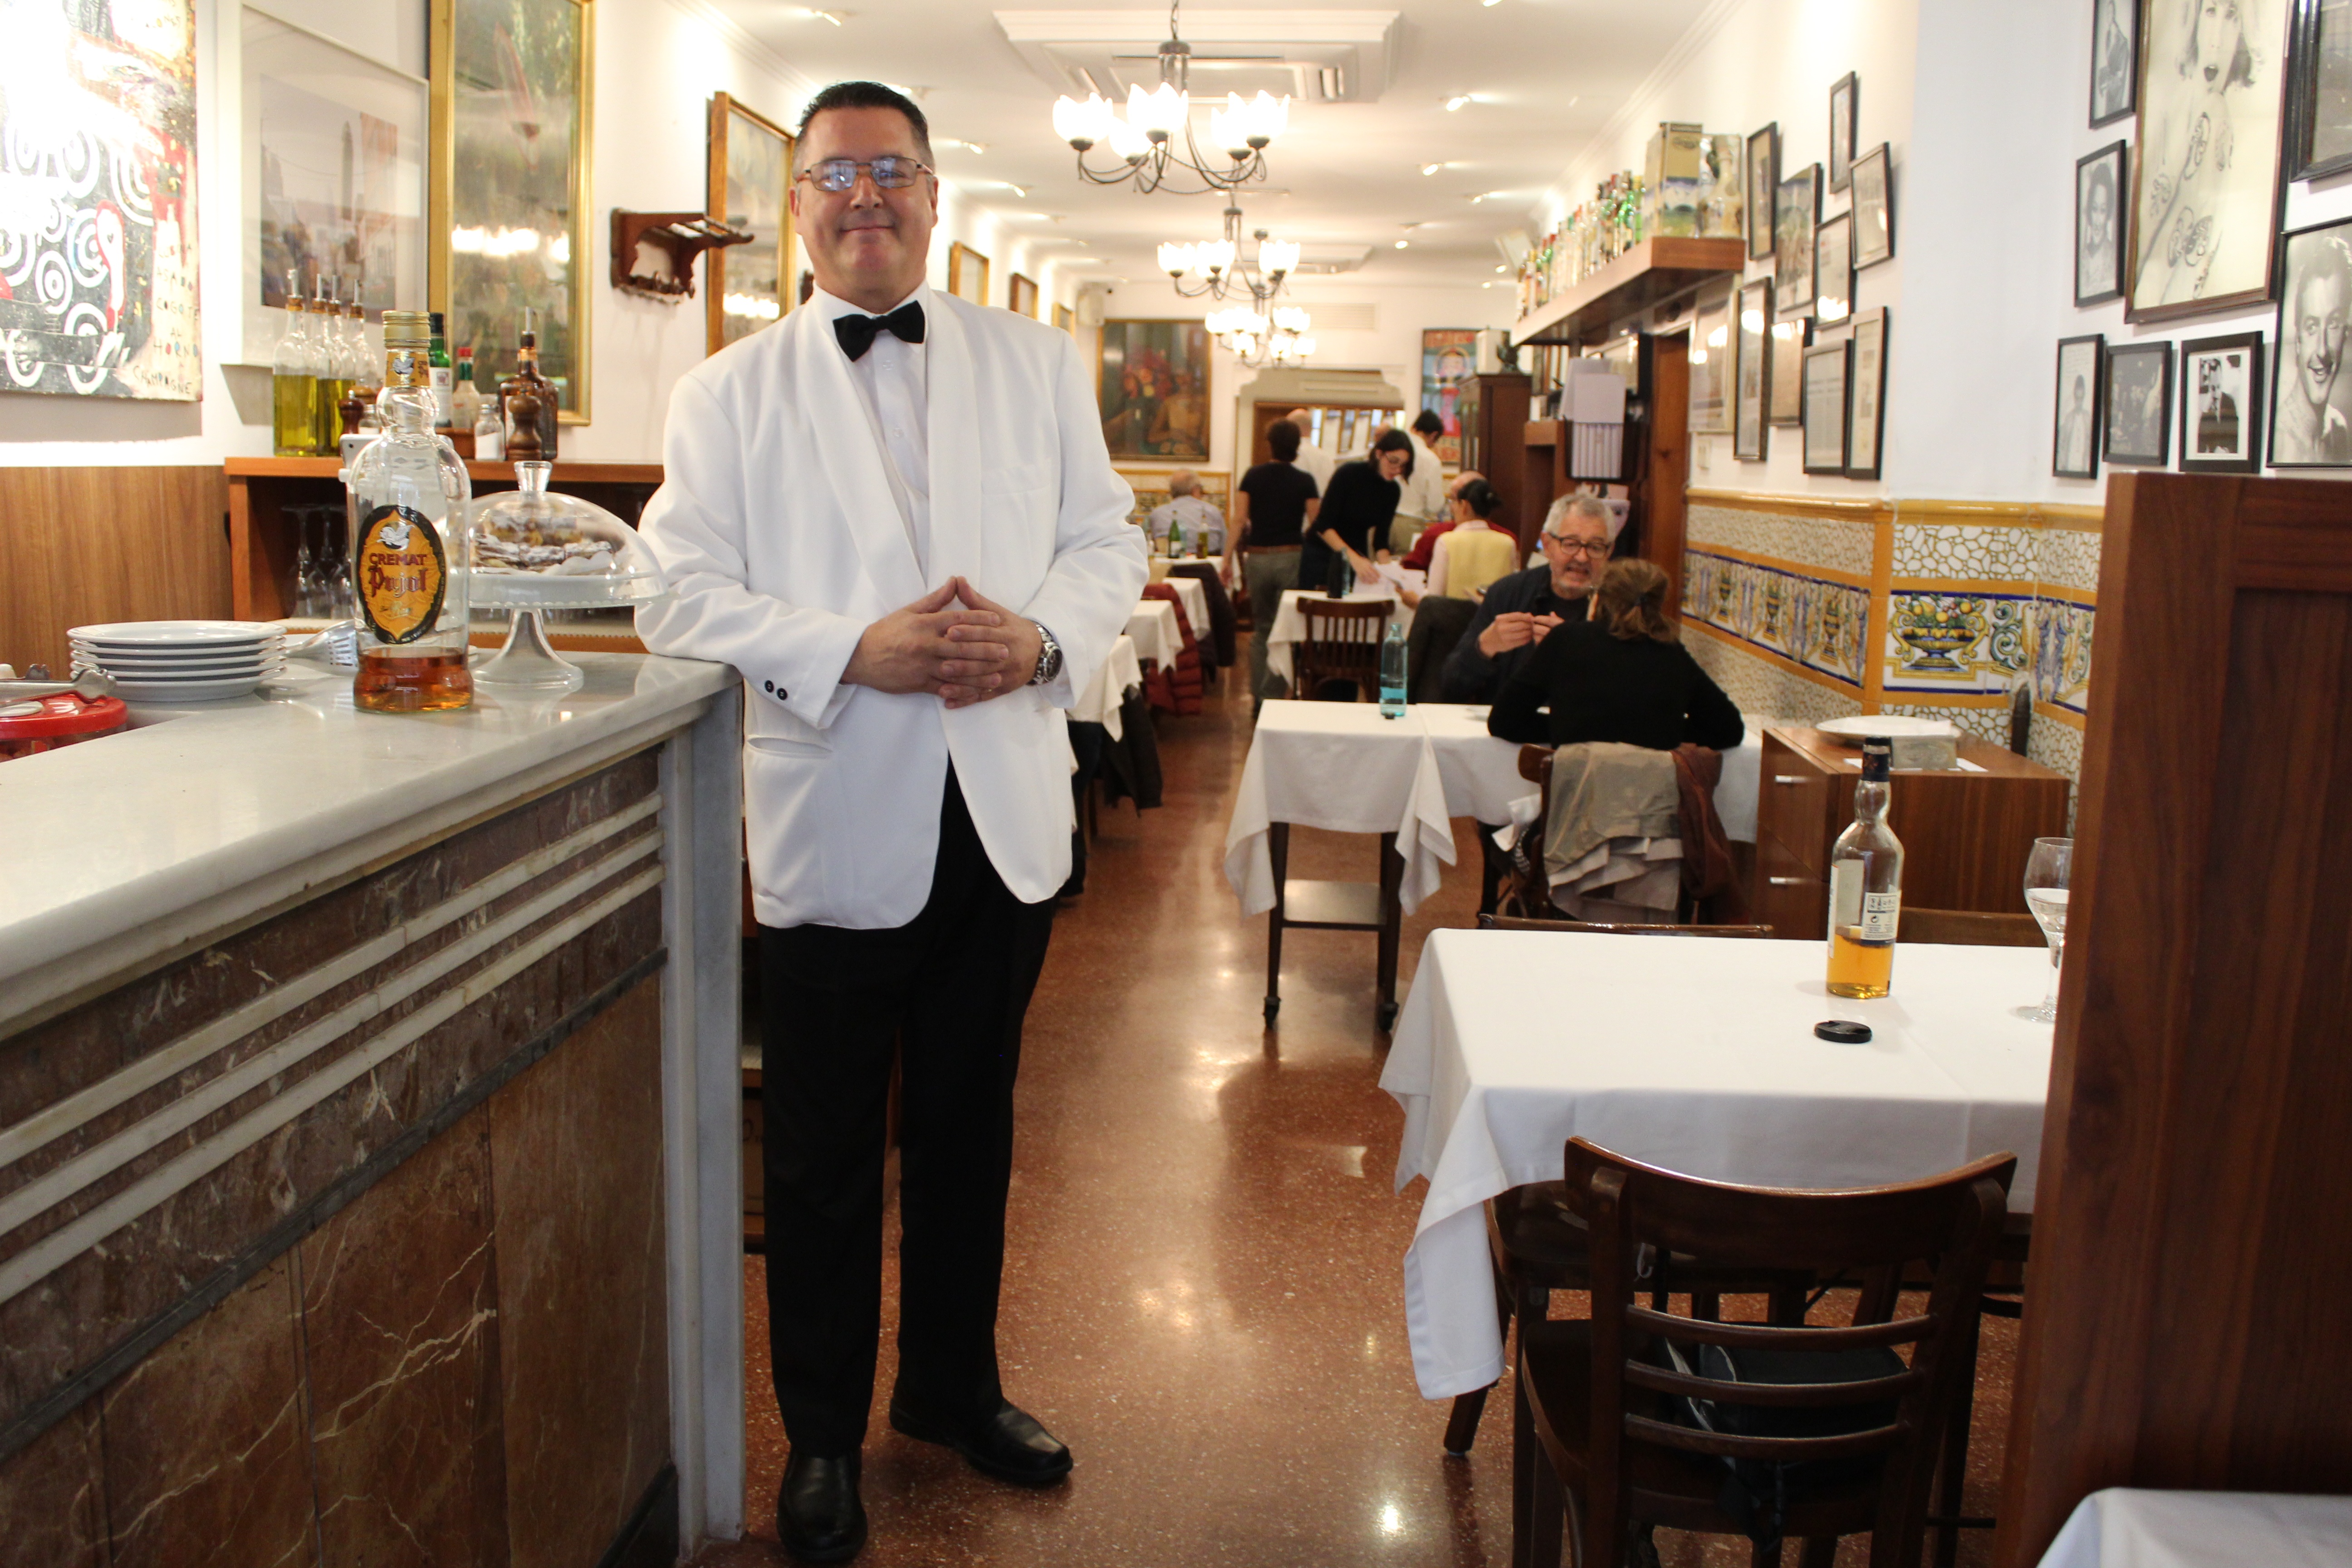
[1318, 463]
[1273, 505]
[1357, 510]
[906, 646]
[1422, 498]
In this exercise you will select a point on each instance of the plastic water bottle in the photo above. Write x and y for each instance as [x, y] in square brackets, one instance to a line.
[1392, 672]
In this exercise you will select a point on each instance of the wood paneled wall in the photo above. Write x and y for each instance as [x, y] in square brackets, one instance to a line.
[85, 544]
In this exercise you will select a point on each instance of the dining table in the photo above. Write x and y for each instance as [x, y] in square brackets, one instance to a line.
[2143, 1527]
[1194, 595]
[1159, 635]
[1697, 1054]
[1101, 701]
[1289, 628]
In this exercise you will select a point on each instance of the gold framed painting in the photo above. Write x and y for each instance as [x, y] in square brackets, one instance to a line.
[1151, 386]
[1021, 296]
[750, 184]
[1065, 320]
[967, 273]
[511, 129]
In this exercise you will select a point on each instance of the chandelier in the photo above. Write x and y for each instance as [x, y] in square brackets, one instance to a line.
[1218, 268]
[1259, 339]
[1145, 141]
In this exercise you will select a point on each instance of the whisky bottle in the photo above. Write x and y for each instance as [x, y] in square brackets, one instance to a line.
[1866, 885]
[412, 505]
[294, 381]
[528, 378]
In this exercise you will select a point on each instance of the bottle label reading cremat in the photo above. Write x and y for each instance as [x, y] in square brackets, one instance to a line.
[401, 573]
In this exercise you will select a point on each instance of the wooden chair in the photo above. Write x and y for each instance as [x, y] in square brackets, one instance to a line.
[1622, 928]
[1342, 642]
[1970, 928]
[1600, 1398]
[1528, 897]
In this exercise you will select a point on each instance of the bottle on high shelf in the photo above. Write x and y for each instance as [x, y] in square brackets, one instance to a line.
[334, 367]
[367, 366]
[294, 379]
[412, 505]
[1866, 885]
[443, 382]
[464, 397]
[538, 392]
[351, 361]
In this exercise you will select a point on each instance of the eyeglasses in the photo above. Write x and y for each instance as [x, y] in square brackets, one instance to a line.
[1590, 549]
[890, 172]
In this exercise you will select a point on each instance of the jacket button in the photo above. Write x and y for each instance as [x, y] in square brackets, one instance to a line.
[771, 687]
[782, 694]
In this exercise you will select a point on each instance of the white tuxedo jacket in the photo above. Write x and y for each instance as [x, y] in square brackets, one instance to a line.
[776, 527]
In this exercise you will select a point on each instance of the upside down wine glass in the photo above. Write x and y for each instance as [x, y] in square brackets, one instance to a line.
[2048, 871]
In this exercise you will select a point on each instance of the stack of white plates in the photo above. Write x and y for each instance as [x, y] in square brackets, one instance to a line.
[181, 661]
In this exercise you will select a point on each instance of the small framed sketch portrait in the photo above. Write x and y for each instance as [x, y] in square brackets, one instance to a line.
[1842, 107]
[2114, 59]
[1750, 407]
[1874, 208]
[2221, 404]
[2074, 435]
[1867, 426]
[1784, 382]
[1763, 184]
[2139, 404]
[2311, 404]
[2099, 188]
[1826, 366]
[1834, 271]
[1795, 213]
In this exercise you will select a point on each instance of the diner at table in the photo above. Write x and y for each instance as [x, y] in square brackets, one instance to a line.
[1516, 612]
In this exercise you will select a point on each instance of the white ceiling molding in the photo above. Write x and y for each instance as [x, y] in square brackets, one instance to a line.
[754, 50]
[1700, 34]
[1334, 56]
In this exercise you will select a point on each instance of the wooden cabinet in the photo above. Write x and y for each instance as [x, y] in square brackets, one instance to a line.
[1966, 834]
[1493, 411]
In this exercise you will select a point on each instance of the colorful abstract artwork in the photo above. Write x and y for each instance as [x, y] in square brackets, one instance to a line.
[1152, 383]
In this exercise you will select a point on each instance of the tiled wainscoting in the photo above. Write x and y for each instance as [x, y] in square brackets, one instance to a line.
[1808, 609]
[342, 1240]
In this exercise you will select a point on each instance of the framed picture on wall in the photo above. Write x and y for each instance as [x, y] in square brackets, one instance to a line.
[1763, 185]
[1834, 271]
[1021, 295]
[1874, 208]
[2139, 404]
[1842, 93]
[2205, 202]
[1713, 352]
[1066, 320]
[1750, 426]
[2075, 426]
[1826, 375]
[750, 184]
[1866, 426]
[2114, 59]
[2099, 185]
[1784, 379]
[2221, 404]
[1795, 213]
[1152, 383]
[1448, 356]
[967, 273]
[2319, 90]
[2311, 401]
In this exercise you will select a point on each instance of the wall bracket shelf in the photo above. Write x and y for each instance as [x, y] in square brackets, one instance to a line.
[1656, 269]
[683, 236]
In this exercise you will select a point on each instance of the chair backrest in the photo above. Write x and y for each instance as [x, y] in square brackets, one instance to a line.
[1968, 928]
[1342, 642]
[1951, 1222]
[1621, 928]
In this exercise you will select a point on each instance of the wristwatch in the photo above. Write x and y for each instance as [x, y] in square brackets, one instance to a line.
[1049, 655]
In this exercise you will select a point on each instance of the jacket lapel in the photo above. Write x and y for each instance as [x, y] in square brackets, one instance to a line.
[955, 449]
[849, 454]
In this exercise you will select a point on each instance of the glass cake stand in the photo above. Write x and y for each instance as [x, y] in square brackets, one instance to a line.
[534, 550]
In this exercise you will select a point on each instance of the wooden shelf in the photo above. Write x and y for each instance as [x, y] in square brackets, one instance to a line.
[1545, 432]
[565, 472]
[1651, 271]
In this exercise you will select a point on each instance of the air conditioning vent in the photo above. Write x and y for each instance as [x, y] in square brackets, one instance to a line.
[1312, 57]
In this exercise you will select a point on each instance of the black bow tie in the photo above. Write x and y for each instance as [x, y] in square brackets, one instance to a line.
[856, 333]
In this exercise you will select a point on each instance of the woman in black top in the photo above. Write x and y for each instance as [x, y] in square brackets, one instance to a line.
[1362, 500]
[1272, 507]
[1620, 675]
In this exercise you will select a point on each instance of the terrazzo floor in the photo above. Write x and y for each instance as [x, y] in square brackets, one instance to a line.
[1203, 1287]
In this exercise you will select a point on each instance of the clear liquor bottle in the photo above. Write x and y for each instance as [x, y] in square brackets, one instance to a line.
[1866, 885]
[294, 379]
[334, 363]
[412, 504]
[367, 366]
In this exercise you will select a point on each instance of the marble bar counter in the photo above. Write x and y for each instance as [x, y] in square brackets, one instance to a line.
[369, 1179]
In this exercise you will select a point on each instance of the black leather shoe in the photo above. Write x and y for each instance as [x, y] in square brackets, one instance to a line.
[1010, 1444]
[817, 1512]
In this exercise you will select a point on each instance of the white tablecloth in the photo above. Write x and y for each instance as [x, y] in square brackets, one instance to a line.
[2124, 1527]
[1157, 636]
[1194, 597]
[1693, 1053]
[1290, 627]
[1114, 677]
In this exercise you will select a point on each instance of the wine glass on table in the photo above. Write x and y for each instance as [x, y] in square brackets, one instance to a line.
[2048, 871]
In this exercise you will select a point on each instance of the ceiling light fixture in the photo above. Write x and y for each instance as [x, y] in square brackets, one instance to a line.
[1145, 141]
[1258, 339]
[1217, 267]
[1402, 243]
[1432, 168]
[1458, 100]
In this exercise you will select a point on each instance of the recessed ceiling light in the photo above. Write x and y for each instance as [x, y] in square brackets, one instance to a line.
[1402, 243]
[960, 142]
[814, 15]
[1490, 2]
[1457, 101]
[1430, 168]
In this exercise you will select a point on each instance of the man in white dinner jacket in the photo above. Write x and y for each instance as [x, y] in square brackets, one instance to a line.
[894, 513]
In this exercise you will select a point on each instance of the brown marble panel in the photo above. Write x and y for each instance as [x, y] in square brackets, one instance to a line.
[400, 1330]
[52, 1503]
[575, 1148]
[206, 1462]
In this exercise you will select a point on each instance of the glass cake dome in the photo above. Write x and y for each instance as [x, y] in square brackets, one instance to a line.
[535, 550]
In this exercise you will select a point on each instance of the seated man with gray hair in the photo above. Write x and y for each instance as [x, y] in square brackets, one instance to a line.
[1203, 524]
[1519, 610]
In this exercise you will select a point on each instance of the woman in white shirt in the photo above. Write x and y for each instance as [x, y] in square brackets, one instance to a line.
[1471, 554]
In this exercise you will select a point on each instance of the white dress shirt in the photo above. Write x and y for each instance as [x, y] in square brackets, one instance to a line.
[1317, 464]
[1423, 495]
[892, 380]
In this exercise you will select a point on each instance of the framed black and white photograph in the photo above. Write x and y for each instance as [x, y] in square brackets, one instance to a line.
[1784, 378]
[2099, 185]
[1874, 208]
[2075, 427]
[1795, 213]
[1841, 118]
[1751, 409]
[1834, 271]
[2115, 60]
[1763, 185]
[2206, 191]
[2311, 402]
[2139, 404]
[2319, 90]
[2221, 404]
[1867, 424]
[1826, 366]
[1713, 360]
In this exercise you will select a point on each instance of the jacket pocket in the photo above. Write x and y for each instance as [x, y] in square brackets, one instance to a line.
[776, 746]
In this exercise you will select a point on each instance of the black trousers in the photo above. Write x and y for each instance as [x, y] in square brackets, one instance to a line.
[947, 991]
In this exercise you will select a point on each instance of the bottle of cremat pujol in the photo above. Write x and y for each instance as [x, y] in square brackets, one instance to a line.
[413, 502]
[1866, 885]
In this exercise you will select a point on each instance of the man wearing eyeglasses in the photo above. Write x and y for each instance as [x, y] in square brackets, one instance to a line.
[894, 513]
[1519, 610]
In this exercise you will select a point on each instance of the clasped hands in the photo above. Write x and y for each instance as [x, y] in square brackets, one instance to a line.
[953, 643]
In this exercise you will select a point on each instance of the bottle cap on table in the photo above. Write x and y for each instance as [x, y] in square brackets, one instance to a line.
[1841, 1032]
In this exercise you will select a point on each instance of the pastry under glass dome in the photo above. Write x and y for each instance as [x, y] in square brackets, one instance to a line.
[535, 550]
